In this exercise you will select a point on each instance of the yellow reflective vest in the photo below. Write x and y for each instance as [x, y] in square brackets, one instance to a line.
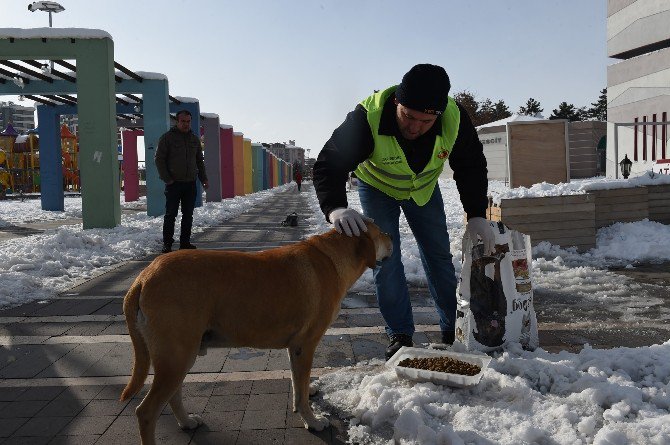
[387, 169]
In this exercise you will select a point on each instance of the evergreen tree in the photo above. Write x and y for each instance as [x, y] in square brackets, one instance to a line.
[531, 108]
[468, 101]
[567, 111]
[486, 112]
[501, 110]
[598, 110]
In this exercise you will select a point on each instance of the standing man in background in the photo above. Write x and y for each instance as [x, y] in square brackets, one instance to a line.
[180, 162]
[396, 141]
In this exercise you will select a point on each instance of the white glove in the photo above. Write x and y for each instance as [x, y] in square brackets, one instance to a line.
[479, 226]
[349, 221]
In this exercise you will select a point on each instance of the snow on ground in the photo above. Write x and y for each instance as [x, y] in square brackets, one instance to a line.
[605, 397]
[38, 267]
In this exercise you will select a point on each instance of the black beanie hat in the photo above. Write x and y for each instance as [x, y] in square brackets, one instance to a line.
[424, 88]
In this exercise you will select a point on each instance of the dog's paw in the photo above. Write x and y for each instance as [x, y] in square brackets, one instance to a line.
[192, 422]
[316, 423]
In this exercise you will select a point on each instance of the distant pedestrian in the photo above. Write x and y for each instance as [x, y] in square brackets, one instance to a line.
[180, 162]
[298, 179]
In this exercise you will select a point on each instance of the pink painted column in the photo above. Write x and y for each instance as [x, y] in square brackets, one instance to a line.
[227, 173]
[131, 178]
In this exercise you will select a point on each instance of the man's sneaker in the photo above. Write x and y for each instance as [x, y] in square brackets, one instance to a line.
[448, 337]
[167, 248]
[187, 246]
[396, 342]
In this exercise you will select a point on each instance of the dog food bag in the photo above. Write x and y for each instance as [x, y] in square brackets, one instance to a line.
[495, 295]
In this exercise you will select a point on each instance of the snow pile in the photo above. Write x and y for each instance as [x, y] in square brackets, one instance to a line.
[605, 397]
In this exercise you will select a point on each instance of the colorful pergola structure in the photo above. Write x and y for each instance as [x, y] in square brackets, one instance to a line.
[93, 52]
[234, 165]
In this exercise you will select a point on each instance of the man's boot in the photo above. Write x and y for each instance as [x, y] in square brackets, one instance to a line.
[167, 248]
[448, 337]
[396, 342]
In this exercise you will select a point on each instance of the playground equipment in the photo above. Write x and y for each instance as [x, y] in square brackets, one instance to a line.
[70, 152]
[19, 162]
[5, 177]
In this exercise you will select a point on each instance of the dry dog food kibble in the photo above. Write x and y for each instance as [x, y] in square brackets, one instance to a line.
[441, 364]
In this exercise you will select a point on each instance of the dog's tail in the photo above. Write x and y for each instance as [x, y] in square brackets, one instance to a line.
[131, 306]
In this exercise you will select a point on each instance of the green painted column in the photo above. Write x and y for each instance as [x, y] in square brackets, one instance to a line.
[257, 167]
[98, 157]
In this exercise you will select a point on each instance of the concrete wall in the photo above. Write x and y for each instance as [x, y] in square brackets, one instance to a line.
[637, 27]
[494, 141]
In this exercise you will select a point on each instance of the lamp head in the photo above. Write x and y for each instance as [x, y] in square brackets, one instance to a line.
[626, 165]
[45, 6]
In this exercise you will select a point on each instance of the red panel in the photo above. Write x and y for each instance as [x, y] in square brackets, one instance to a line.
[227, 173]
[644, 139]
[131, 177]
[635, 143]
[653, 138]
[664, 135]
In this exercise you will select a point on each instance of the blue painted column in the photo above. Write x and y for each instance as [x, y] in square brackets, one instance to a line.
[51, 162]
[193, 107]
[156, 123]
[266, 170]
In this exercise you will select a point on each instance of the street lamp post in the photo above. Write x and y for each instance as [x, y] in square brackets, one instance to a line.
[49, 7]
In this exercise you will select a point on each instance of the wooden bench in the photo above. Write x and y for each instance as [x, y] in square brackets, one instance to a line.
[659, 203]
[561, 220]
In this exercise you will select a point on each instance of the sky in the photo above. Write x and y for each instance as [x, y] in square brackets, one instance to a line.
[605, 397]
[280, 71]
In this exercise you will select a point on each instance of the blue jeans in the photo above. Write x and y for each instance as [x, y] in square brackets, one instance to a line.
[429, 226]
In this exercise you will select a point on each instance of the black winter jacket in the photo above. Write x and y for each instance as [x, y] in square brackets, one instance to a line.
[352, 143]
[179, 157]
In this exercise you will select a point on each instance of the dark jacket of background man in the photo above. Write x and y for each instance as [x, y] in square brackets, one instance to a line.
[179, 157]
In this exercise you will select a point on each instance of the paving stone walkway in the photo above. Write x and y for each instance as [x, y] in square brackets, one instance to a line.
[64, 362]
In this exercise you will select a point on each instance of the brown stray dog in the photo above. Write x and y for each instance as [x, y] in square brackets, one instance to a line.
[279, 298]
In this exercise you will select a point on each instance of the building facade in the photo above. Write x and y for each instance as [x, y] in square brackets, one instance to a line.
[22, 118]
[288, 152]
[638, 86]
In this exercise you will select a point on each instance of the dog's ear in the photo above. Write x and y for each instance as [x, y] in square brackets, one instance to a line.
[367, 250]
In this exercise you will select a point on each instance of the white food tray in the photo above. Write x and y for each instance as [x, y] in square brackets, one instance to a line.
[439, 378]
